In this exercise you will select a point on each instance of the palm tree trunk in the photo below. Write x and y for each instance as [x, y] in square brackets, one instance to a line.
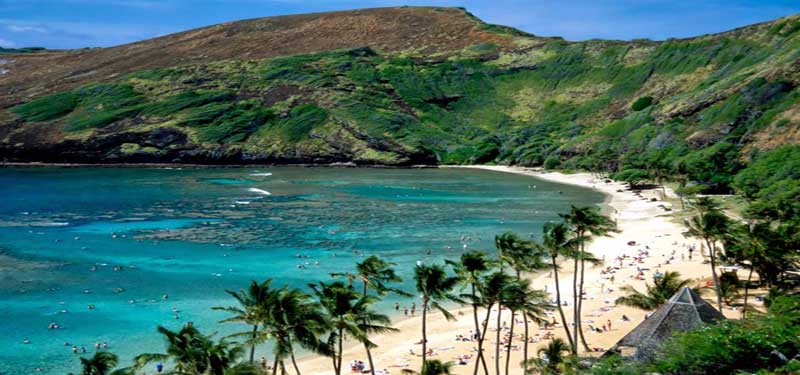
[339, 353]
[746, 292]
[366, 345]
[525, 344]
[580, 307]
[478, 331]
[253, 345]
[369, 359]
[283, 368]
[497, 343]
[294, 362]
[525, 338]
[275, 364]
[713, 255]
[558, 302]
[510, 341]
[575, 317]
[424, 331]
[481, 339]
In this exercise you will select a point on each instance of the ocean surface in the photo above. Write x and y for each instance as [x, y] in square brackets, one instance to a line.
[137, 243]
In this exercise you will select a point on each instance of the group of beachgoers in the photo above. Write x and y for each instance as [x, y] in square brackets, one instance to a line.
[634, 264]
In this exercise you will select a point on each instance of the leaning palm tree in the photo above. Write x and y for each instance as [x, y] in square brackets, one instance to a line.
[101, 363]
[294, 318]
[710, 225]
[551, 358]
[586, 222]
[557, 242]
[519, 297]
[433, 367]
[436, 287]
[656, 294]
[252, 310]
[472, 265]
[342, 305]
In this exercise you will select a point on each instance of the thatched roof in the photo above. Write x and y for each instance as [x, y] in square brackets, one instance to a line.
[683, 312]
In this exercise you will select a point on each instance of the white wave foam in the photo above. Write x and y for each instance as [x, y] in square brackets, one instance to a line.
[261, 174]
[259, 191]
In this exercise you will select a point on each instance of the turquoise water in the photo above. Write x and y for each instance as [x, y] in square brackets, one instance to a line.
[120, 239]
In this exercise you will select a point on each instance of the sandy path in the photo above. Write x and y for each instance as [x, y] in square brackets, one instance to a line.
[638, 218]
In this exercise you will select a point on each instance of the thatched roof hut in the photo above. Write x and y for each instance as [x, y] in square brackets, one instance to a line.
[683, 312]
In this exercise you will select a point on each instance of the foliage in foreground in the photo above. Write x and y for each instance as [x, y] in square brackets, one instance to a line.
[767, 344]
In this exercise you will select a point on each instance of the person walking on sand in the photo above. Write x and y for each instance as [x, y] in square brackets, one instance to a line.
[609, 324]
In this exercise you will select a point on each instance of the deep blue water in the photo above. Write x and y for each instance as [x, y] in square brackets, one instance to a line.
[120, 239]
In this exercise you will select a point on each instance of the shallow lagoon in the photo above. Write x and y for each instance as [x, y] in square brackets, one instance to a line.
[122, 238]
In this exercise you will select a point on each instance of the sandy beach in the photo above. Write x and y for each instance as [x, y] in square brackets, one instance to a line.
[658, 242]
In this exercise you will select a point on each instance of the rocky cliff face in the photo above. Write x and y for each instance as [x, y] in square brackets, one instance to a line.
[403, 86]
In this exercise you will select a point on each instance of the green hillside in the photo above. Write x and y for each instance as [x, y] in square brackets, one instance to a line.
[703, 108]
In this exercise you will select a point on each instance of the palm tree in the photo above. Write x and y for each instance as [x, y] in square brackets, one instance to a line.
[252, 310]
[705, 205]
[436, 287]
[100, 364]
[371, 322]
[746, 247]
[522, 257]
[192, 352]
[657, 294]
[711, 225]
[342, 305]
[557, 243]
[376, 274]
[433, 367]
[550, 358]
[585, 222]
[221, 356]
[294, 317]
[472, 265]
[491, 290]
[518, 296]
[509, 245]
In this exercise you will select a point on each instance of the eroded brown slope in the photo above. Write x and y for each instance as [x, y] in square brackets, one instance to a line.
[426, 31]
